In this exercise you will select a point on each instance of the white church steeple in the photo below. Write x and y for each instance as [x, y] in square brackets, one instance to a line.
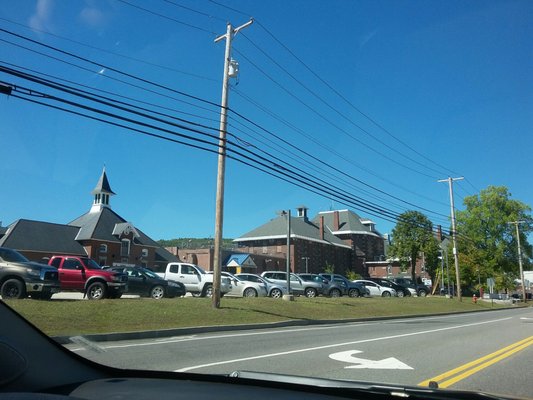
[102, 192]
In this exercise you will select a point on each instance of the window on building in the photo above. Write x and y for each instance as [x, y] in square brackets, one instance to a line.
[265, 250]
[278, 249]
[103, 248]
[125, 247]
[144, 253]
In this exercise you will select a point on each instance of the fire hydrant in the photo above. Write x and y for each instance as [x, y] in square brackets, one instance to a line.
[474, 299]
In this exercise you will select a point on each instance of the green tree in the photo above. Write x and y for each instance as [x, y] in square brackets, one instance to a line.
[487, 242]
[412, 235]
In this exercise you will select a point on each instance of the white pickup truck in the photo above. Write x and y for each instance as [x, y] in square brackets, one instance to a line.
[196, 280]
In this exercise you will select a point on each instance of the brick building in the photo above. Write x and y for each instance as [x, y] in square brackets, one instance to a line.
[312, 244]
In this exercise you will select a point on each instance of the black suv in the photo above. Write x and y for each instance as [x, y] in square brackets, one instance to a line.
[421, 289]
[401, 291]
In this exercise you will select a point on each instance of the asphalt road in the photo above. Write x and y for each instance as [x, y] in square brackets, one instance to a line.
[488, 351]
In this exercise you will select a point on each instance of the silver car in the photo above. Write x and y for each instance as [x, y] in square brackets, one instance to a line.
[298, 285]
[242, 288]
[274, 289]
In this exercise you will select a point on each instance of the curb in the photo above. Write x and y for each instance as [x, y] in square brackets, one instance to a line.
[118, 336]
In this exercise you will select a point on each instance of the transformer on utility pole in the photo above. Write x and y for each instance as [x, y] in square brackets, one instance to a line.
[230, 70]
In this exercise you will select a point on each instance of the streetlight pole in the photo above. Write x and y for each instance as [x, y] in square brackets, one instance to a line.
[219, 208]
[454, 235]
[516, 223]
[289, 295]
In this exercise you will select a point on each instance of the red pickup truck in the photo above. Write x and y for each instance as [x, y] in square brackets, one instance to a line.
[81, 274]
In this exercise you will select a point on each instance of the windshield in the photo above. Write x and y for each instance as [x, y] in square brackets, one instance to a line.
[150, 273]
[91, 264]
[11, 256]
[356, 139]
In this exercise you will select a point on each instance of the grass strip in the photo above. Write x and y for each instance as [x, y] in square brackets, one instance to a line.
[78, 317]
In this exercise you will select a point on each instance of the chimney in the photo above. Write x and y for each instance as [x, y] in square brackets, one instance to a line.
[321, 227]
[439, 233]
[336, 222]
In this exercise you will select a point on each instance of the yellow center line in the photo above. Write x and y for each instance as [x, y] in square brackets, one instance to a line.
[479, 364]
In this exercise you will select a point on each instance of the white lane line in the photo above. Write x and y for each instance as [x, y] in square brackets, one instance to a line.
[268, 332]
[329, 346]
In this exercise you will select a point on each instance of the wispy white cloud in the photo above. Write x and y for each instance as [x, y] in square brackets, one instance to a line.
[40, 20]
[93, 16]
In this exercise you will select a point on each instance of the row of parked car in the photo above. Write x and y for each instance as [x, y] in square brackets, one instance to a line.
[21, 278]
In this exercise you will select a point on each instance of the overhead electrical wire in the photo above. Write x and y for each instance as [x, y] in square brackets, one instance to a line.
[322, 116]
[316, 185]
[118, 71]
[102, 65]
[329, 149]
[114, 53]
[328, 120]
[308, 184]
[334, 109]
[166, 17]
[333, 89]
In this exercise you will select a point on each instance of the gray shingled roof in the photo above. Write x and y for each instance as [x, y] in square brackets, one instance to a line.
[162, 254]
[98, 225]
[42, 236]
[101, 224]
[349, 223]
[300, 228]
[103, 185]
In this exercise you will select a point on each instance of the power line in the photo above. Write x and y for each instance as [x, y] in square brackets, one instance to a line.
[326, 147]
[334, 109]
[89, 46]
[167, 17]
[380, 208]
[328, 120]
[316, 75]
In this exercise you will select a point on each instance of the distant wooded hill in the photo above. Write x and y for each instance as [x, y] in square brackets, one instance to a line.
[194, 243]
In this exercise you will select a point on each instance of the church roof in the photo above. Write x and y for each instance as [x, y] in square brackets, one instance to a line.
[103, 185]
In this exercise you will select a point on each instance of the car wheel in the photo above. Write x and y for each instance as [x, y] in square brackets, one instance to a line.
[276, 293]
[310, 292]
[13, 289]
[96, 291]
[249, 292]
[208, 291]
[353, 293]
[386, 293]
[422, 293]
[157, 292]
[400, 293]
[334, 293]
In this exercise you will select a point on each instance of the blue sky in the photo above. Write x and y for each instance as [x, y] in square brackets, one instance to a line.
[447, 86]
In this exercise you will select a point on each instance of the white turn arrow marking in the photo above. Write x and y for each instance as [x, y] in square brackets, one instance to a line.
[386, 363]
